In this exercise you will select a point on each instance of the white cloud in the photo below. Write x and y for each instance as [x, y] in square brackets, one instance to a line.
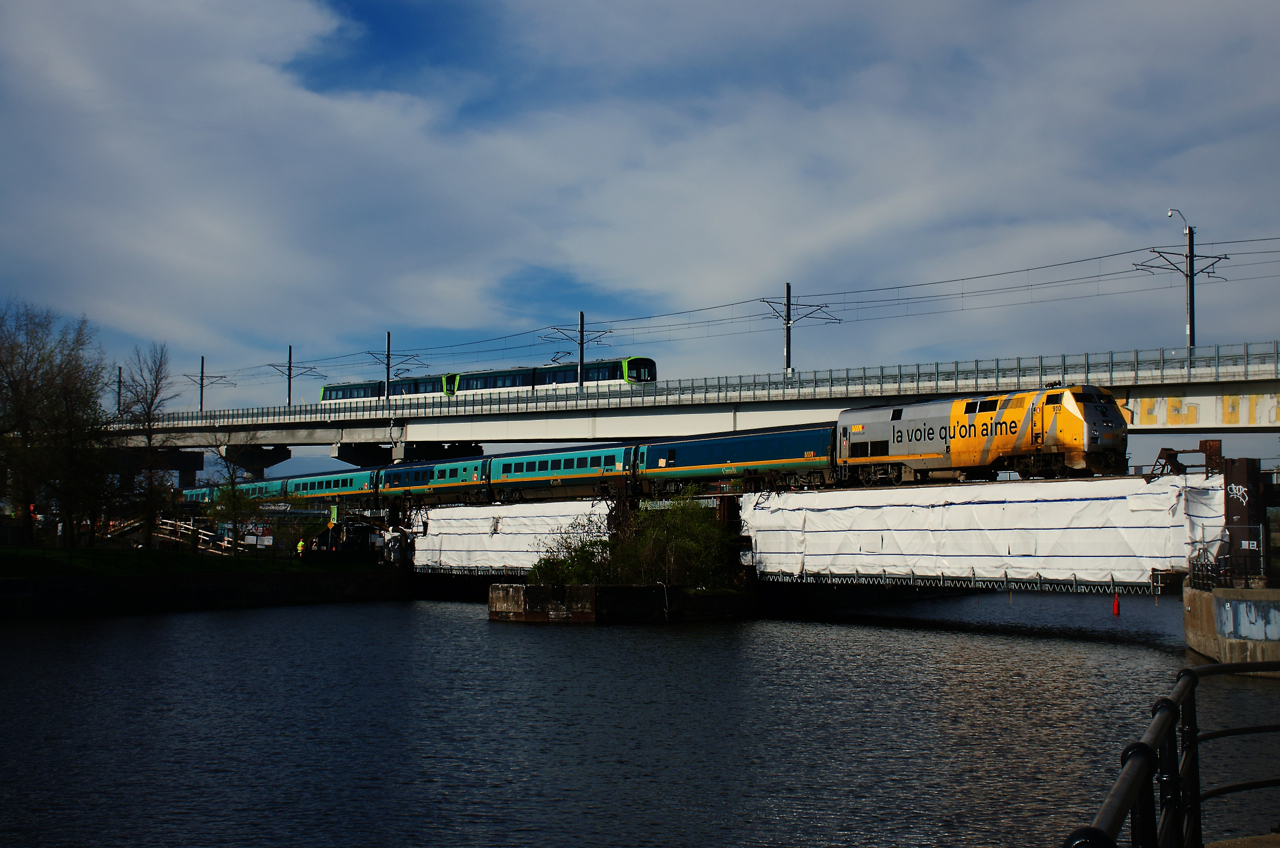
[167, 175]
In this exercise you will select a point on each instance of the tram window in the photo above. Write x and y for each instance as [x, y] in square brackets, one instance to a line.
[610, 461]
[671, 456]
[971, 407]
[642, 458]
[880, 448]
[555, 465]
[989, 405]
[395, 480]
[506, 468]
[519, 468]
[312, 486]
[595, 462]
[897, 415]
[582, 462]
[453, 472]
[1052, 399]
[542, 465]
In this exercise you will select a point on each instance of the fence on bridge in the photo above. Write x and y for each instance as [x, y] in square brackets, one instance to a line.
[1206, 364]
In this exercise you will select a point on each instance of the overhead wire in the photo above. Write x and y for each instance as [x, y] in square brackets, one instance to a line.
[872, 303]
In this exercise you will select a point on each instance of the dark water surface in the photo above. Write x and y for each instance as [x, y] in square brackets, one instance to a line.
[424, 724]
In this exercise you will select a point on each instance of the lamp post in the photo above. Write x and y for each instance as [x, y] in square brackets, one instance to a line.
[1189, 271]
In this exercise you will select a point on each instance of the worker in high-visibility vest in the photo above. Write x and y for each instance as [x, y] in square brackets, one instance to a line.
[302, 546]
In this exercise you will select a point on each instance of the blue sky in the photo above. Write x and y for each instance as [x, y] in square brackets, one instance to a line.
[234, 176]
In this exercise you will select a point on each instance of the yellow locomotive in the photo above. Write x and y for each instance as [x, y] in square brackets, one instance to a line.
[1050, 432]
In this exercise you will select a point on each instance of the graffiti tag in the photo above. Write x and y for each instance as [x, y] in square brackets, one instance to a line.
[1240, 493]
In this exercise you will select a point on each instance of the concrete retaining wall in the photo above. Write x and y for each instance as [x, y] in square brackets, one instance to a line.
[1233, 625]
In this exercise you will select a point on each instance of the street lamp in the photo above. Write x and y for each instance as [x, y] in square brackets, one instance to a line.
[1189, 270]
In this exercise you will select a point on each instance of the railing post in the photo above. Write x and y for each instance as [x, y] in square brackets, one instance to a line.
[1190, 765]
[1169, 778]
[1142, 816]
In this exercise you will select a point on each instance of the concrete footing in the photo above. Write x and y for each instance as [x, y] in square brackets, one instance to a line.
[1233, 625]
[611, 604]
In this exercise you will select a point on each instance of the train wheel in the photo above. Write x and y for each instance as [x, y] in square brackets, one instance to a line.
[895, 475]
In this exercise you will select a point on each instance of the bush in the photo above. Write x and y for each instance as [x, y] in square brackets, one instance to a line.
[679, 545]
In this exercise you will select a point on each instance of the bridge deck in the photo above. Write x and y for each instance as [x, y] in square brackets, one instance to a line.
[1172, 367]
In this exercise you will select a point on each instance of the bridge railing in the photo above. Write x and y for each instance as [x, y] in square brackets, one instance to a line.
[1210, 363]
[1158, 789]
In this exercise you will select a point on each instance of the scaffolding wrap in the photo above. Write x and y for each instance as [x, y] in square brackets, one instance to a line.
[1116, 530]
[494, 538]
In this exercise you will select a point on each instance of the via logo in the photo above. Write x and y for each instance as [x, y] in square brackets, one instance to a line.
[1240, 493]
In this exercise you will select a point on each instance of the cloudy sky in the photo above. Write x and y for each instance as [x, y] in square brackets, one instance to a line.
[231, 177]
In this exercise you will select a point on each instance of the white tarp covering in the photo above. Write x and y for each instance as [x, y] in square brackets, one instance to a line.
[506, 536]
[1058, 530]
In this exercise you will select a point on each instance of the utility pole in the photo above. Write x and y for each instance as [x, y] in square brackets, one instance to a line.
[1189, 262]
[788, 319]
[582, 337]
[1188, 271]
[207, 380]
[786, 335]
[119, 390]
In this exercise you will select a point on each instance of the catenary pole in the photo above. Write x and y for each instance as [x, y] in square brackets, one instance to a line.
[388, 369]
[290, 376]
[582, 327]
[202, 384]
[1191, 287]
[786, 343]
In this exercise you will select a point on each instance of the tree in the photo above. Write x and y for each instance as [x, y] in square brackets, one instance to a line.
[681, 544]
[147, 389]
[51, 382]
[231, 504]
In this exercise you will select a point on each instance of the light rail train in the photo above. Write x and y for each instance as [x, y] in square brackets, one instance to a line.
[604, 372]
[1050, 432]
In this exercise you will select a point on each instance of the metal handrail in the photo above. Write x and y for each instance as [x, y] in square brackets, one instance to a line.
[1211, 363]
[1169, 813]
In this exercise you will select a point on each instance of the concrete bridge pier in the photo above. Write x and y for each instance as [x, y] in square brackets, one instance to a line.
[255, 459]
[364, 454]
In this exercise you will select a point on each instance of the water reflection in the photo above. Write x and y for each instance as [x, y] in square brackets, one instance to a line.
[409, 724]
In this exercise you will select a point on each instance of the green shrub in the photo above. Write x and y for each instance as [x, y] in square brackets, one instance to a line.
[679, 545]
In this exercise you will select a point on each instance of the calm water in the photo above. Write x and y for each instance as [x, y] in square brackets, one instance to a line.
[424, 724]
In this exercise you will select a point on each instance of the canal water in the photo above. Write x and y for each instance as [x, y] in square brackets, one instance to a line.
[405, 724]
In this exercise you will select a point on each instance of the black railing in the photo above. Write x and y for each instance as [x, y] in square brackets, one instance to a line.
[1168, 756]
[1207, 573]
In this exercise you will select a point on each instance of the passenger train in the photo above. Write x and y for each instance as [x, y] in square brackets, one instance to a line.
[1051, 432]
[604, 372]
